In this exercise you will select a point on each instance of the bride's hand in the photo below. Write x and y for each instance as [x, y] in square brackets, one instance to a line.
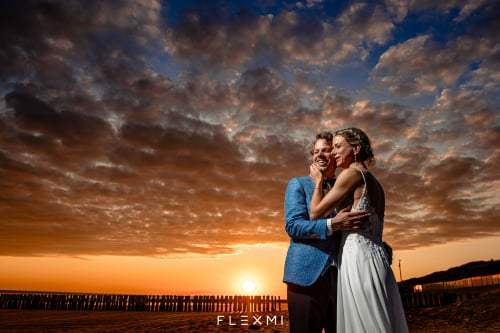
[316, 174]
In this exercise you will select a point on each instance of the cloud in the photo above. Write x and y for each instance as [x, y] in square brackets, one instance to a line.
[203, 36]
[424, 64]
[54, 40]
[141, 191]
[465, 7]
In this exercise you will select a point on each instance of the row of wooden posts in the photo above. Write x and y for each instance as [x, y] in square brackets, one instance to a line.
[102, 302]
[419, 299]
[436, 298]
[170, 303]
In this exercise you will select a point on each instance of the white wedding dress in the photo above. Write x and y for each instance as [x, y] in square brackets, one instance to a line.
[368, 295]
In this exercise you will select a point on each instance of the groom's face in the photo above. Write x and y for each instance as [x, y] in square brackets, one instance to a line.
[322, 156]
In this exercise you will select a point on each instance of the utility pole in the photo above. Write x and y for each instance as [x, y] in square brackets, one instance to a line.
[400, 274]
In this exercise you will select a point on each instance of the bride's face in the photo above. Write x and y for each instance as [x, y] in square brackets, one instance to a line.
[342, 152]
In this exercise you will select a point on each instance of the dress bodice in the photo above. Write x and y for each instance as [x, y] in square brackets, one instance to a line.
[373, 229]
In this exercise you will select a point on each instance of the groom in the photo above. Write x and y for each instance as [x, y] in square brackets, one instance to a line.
[310, 265]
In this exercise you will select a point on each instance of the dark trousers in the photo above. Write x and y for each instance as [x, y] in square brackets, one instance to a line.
[314, 307]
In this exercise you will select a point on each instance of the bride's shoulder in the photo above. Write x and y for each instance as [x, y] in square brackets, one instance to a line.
[346, 171]
[349, 173]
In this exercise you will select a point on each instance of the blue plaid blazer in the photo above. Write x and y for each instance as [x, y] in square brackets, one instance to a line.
[311, 251]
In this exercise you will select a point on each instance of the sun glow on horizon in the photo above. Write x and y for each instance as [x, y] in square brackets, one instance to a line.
[248, 286]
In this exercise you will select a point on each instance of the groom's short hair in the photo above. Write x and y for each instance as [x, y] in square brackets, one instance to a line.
[328, 136]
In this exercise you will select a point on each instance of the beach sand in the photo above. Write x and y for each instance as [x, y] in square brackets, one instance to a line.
[81, 321]
[480, 314]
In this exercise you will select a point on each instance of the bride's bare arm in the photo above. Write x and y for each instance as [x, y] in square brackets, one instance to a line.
[346, 182]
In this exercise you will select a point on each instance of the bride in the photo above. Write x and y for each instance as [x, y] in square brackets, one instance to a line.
[368, 298]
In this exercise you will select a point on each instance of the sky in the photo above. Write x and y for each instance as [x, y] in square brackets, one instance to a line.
[146, 145]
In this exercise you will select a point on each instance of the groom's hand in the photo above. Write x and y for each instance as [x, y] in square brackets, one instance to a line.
[346, 220]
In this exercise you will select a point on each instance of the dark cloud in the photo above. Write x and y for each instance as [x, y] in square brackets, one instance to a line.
[424, 64]
[205, 34]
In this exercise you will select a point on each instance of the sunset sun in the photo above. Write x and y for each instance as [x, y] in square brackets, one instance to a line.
[248, 286]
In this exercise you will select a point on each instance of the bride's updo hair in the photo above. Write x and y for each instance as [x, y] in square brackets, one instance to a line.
[355, 136]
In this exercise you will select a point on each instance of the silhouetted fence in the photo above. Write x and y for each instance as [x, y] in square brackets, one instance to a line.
[477, 281]
[444, 293]
[420, 299]
[96, 302]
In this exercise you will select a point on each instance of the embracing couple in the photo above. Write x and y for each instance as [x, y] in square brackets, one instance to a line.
[337, 268]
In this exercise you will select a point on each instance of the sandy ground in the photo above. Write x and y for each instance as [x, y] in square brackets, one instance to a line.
[79, 321]
[481, 314]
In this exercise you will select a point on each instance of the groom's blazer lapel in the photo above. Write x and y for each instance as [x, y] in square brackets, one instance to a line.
[309, 187]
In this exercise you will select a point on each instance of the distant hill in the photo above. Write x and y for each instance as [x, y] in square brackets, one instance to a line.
[472, 269]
